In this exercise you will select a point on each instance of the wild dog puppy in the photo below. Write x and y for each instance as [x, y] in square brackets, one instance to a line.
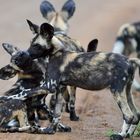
[15, 107]
[29, 69]
[99, 70]
[128, 42]
[30, 75]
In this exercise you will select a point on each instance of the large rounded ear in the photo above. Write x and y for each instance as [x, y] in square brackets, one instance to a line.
[7, 72]
[47, 10]
[10, 48]
[92, 46]
[47, 31]
[33, 27]
[68, 9]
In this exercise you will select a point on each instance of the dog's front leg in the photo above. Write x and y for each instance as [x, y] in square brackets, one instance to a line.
[58, 110]
[56, 114]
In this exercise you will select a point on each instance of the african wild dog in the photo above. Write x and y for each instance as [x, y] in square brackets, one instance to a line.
[69, 44]
[30, 70]
[30, 75]
[128, 42]
[13, 109]
[99, 70]
[59, 20]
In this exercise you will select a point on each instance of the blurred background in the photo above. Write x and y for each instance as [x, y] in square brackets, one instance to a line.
[92, 19]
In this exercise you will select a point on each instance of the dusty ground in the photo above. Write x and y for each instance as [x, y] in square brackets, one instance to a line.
[101, 18]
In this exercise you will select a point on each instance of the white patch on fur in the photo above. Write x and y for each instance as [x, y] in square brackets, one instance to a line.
[41, 41]
[13, 123]
[118, 47]
[46, 59]
[43, 83]
[124, 78]
[57, 43]
[53, 82]
[131, 129]
[136, 85]
[125, 128]
[48, 99]
[133, 43]
[48, 85]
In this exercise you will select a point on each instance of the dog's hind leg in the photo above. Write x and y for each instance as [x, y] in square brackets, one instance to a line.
[23, 121]
[136, 85]
[128, 115]
[134, 110]
[73, 116]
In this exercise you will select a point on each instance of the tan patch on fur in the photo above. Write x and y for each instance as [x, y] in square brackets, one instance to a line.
[58, 22]
[15, 67]
[56, 43]
[24, 76]
[21, 115]
[70, 57]
[131, 29]
[99, 58]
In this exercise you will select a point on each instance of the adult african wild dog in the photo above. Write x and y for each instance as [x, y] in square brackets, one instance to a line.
[99, 70]
[30, 71]
[69, 44]
[128, 42]
[59, 20]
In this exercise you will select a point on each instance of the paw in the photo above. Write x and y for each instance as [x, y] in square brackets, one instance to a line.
[73, 116]
[116, 137]
[13, 129]
[46, 130]
[63, 128]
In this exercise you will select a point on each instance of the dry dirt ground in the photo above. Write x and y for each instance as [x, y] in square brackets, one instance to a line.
[93, 19]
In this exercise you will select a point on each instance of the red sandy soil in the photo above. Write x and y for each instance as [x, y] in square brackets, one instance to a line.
[93, 19]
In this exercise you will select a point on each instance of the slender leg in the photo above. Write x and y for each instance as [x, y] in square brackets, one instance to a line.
[73, 116]
[128, 116]
[23, 121]
[66, 96]
[134, 110]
